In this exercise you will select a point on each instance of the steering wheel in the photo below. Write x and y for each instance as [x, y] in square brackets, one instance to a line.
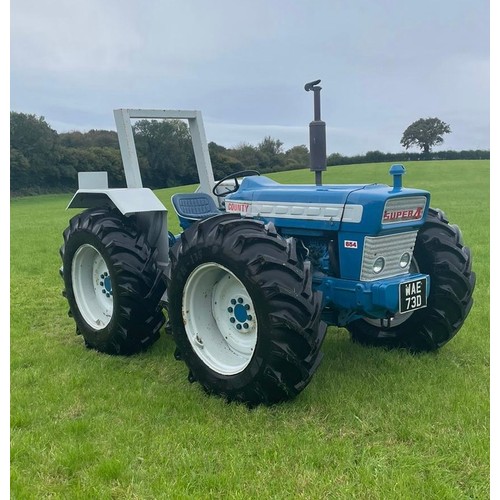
[234, 176]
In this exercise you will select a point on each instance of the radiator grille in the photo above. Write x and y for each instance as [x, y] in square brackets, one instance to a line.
[391, 248]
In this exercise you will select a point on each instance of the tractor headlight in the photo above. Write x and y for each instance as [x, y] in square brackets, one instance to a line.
[378, 265]
[404, 261]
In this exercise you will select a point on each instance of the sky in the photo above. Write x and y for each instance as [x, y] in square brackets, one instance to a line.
[383, 64]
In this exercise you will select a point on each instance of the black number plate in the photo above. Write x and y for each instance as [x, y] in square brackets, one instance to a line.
[412, 295]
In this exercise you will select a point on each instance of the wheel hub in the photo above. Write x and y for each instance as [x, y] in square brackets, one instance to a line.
[105, 284]
[239, 314]
[219, 318]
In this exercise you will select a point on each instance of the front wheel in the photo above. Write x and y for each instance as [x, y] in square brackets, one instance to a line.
[112, 283]
[244, 316]
[440, 253]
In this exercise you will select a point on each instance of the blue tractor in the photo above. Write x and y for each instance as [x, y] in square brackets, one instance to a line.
[261, 269]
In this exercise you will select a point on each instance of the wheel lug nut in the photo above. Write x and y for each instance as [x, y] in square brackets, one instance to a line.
[102, 276]
[238, 326]
[230, 309]
[101, 283]
[247, 306]
[249, 317]
[107, 295]
[232, 320]
[245, 325]
[103, 291]
[240, 300]
[233, 302]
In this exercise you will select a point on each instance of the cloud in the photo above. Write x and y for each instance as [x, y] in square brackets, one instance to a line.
[71, 39]
[382, 64]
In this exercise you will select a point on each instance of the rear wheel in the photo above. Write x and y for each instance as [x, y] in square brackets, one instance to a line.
[440, 253]
[112, 283]
[244, 316]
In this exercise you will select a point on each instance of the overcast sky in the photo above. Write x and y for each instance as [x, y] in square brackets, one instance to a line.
[383, 64]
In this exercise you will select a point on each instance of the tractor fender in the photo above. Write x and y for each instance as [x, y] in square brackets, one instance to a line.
[150, 211]
[126, 200]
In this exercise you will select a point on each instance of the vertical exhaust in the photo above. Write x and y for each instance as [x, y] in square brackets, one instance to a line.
[317, 135]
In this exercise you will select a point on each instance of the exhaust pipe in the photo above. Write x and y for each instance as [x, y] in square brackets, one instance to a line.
[317, 135]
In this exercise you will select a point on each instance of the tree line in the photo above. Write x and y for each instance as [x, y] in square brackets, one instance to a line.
[42, 160]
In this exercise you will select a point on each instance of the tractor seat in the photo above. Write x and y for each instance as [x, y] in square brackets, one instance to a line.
[191, 207]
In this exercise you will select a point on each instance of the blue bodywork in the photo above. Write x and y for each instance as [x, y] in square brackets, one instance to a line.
[333, 222]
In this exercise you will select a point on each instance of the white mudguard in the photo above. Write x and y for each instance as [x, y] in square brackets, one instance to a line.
[126, 200]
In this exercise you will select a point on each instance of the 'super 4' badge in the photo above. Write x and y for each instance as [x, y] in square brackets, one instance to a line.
[404, 209]
[403, 215]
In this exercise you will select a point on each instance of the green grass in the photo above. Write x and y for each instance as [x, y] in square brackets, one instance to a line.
[372, 424]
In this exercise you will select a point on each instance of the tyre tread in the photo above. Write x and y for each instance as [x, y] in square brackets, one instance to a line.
[140, 284]
[276, 272]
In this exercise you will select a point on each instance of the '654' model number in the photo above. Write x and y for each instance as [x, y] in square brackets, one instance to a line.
[412, 295]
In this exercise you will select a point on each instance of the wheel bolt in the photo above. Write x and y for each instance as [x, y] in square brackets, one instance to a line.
[101, 283]
[245, 325]
[238, 326]
[249, 317]
[232, 320]
[247, 306]
[107, 295]
[233, 302]
[102, 276]
[230, 309]
[105, 273]
[103, 291]
[240, 300]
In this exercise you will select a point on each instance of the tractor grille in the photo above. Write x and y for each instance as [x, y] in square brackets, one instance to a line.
[391, 248]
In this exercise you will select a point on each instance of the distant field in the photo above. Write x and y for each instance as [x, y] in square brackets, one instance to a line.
[372, 424]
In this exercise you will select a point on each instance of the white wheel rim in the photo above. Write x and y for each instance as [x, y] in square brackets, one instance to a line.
[219, 318]
[92, 287]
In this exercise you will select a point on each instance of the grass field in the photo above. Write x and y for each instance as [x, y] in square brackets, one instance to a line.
[372, 424]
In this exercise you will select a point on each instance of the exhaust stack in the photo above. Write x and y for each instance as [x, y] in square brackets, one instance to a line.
[317, 135]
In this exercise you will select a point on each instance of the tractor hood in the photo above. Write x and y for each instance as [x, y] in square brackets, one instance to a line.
[369, 209]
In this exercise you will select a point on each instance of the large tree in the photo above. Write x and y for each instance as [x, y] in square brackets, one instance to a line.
[425, 133]
[165, 153]
[297, 157]
[33, 151]
[33, 137]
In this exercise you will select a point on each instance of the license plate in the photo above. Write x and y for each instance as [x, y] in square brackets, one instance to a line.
[412, 295]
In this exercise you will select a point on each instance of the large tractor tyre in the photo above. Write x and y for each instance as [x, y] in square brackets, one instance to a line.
[244, 317]
[440, 253]
[112, 283]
